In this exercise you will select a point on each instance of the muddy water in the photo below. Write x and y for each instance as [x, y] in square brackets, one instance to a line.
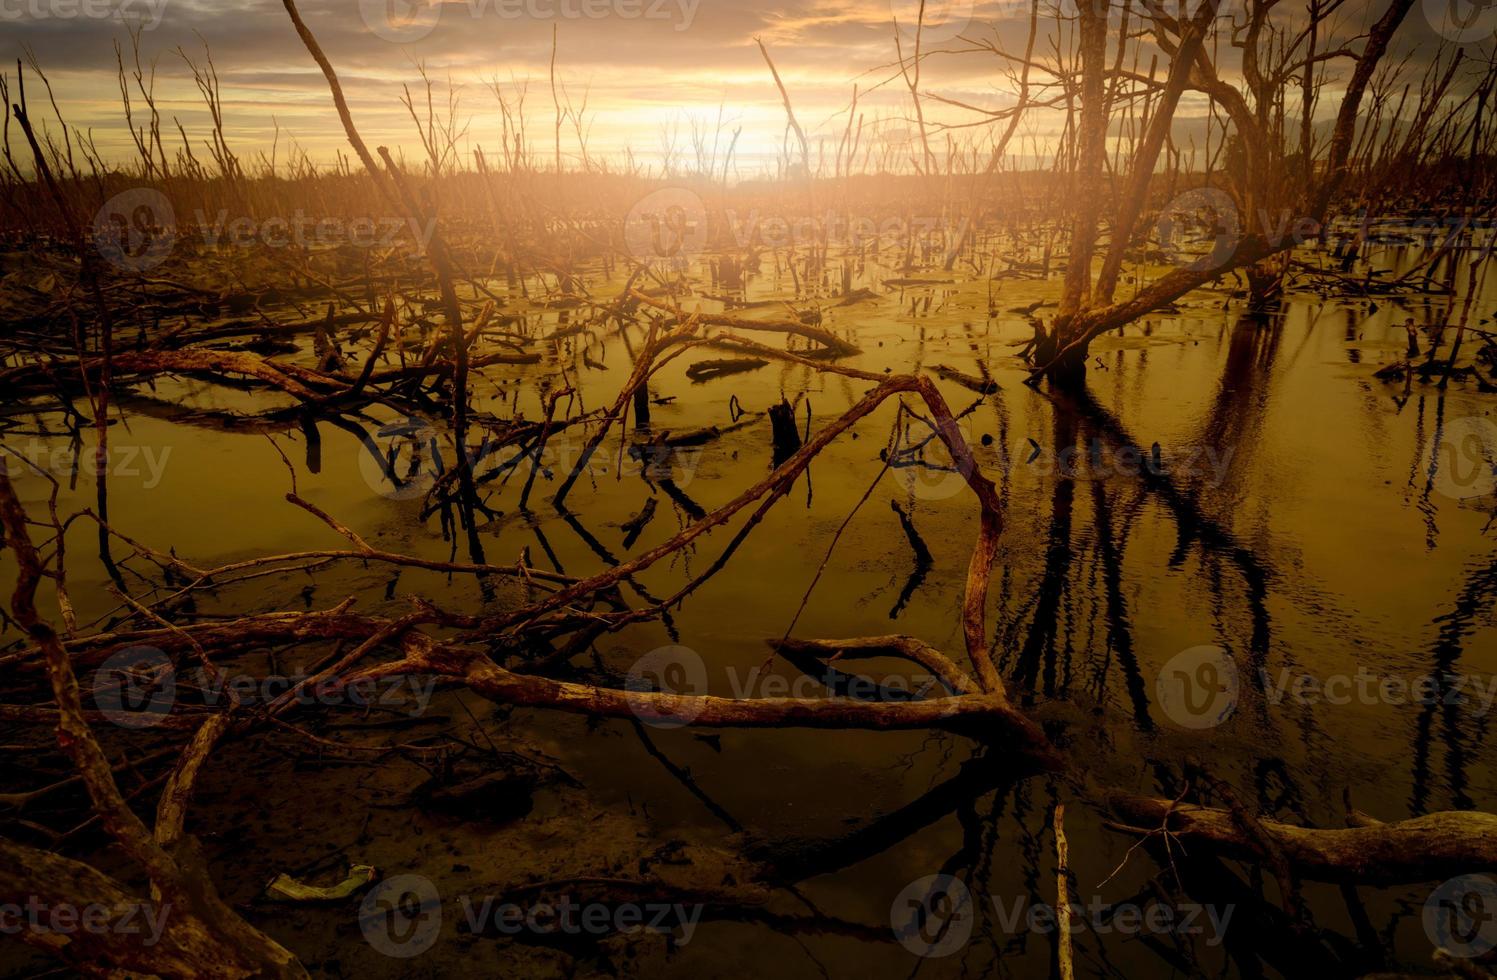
[1296, 520]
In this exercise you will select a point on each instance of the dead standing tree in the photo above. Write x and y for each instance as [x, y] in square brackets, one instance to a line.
[1088, 307]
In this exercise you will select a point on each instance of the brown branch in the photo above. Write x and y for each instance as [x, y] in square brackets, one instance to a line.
[1431, 847]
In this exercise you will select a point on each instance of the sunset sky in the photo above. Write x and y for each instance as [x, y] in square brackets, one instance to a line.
[645, 67]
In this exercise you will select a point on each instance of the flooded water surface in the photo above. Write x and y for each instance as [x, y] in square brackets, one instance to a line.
[1236, 550]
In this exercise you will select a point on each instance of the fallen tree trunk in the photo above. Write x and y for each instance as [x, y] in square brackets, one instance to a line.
[833, 345]
[982, 715]
[1427, 848]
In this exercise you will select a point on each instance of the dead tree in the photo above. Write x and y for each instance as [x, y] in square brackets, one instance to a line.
[1089, 307]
